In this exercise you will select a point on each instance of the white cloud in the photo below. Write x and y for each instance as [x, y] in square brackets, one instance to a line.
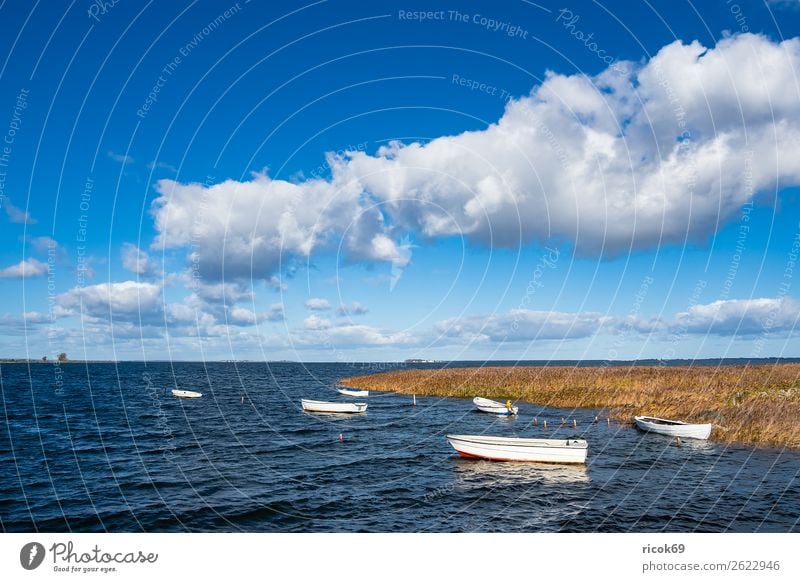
[731, 318]
[161, 166]
[354, 308]
[136, 260]
[24, 270]
[243, 316]
[244, 229]
[138, 302]
[127, 300]
[605, 163]
[317, 304]
[227, 292]
[322, 333]
[741, 317]
[136, 310]
[275, 312]
[523, 325]
[84, 269]
[16, 215]
[20, 321]
[316, 322]
[608, 162]
[44, 244]
[121, 158]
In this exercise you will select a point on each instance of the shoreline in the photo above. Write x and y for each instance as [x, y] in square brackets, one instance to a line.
[588, 363]
[754, 405]
[51, 362]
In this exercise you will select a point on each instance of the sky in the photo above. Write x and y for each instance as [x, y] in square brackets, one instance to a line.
[342, 181]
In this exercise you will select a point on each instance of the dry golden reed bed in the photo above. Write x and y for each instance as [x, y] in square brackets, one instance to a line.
[757, 404]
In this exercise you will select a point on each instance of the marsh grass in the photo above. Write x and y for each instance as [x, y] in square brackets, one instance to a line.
[757, 404]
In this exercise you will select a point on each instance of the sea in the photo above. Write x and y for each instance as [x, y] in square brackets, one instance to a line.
[105, 447]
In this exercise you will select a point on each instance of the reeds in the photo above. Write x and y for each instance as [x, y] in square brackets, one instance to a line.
[757, 404]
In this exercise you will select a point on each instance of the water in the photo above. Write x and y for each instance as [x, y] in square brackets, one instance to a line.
[112, 450]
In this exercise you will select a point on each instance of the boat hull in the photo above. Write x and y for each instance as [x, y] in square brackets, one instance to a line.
[186, 394]
[673, 428]
[356, 393]
[492, 407]
[333, 407]
[570, 451]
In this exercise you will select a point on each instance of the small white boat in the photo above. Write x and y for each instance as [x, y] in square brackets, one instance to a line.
[353, 392]
[674, 428]
[520, 449]
[321, 406]
[186, 394]
[493, 407]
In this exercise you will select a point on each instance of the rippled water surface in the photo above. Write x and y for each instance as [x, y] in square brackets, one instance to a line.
[112, 450]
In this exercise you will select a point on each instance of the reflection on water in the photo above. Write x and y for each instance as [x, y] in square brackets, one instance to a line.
[498, 473]
[680, 443]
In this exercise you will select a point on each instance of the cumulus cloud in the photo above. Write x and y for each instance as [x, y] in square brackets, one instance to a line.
[349, 336]
[317, 304]
[246, 229]
[139, 302]
[610, 162]
[44, 244]
[136, 260]
[730, 318]
[137, 310]
[244, 316]
[741, 316]
[127, 300]
[24, 270]
[523, 325]
[662, 155]
[276, 312]
[316, 322]
[27, 318]
[226, 292]
[354, 308]
[16, 215]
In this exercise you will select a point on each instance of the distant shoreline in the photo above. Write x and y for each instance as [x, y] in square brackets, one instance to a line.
[452, 363]
[59, 362]
[753, 404]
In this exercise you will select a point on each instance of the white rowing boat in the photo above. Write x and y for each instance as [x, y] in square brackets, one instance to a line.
[520, 449]
[186, 394]
[342, 407]
[353, 392]
[493, 407]
[674, 428]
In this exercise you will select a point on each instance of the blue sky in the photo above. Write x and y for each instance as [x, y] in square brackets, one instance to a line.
[344, 181]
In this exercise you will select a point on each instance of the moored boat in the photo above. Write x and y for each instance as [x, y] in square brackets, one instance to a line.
[493, 407]
[186, 394]
[675, 428]
[353, 392]
[520, 449]
[340, 407]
